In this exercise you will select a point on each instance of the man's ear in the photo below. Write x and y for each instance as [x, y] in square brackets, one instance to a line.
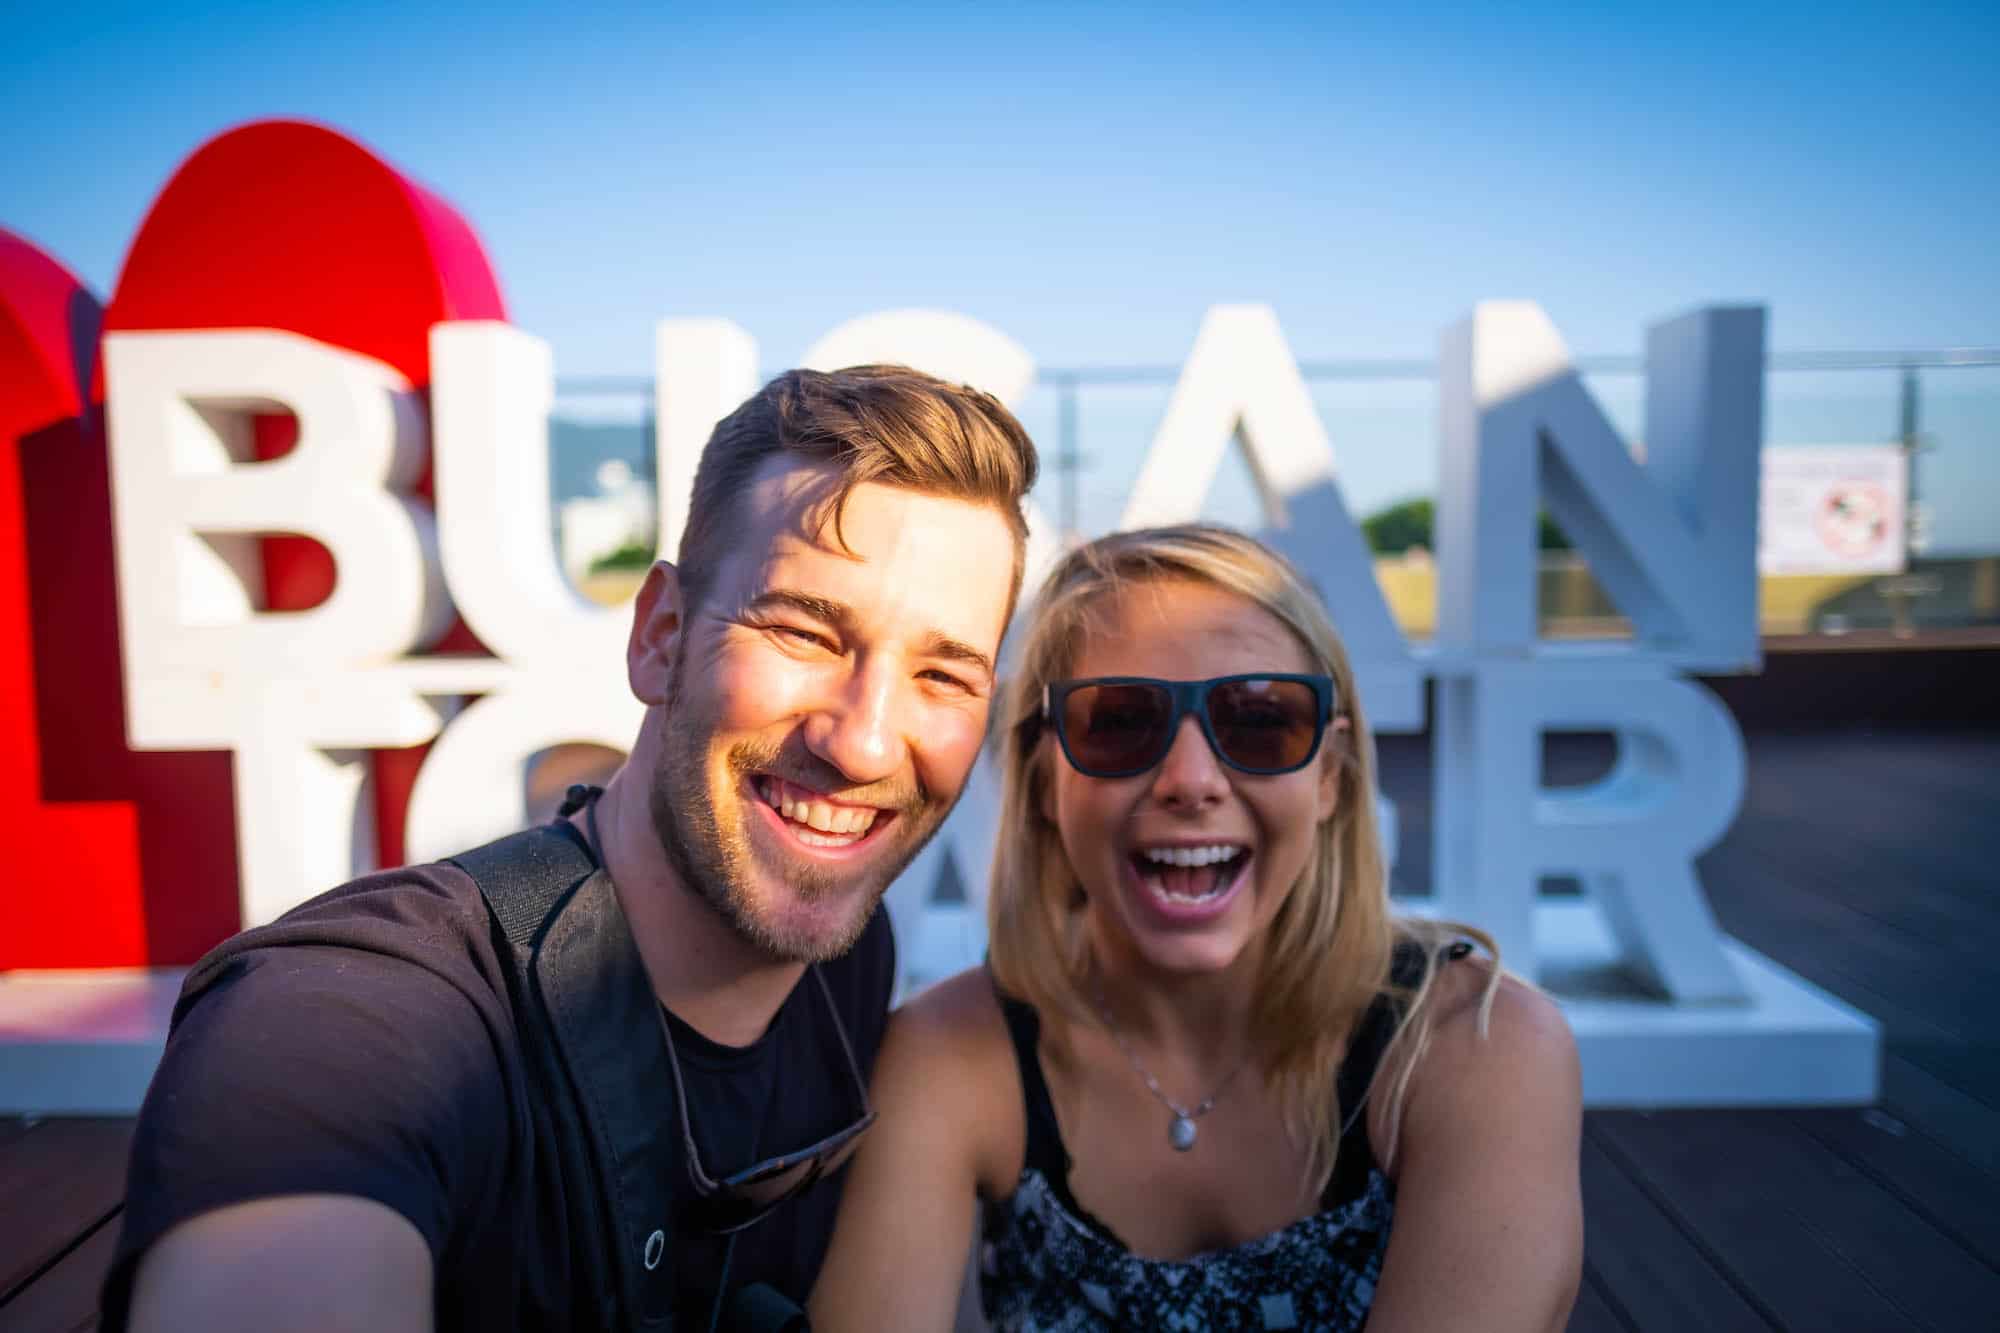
[1341, 735]
[659, 617]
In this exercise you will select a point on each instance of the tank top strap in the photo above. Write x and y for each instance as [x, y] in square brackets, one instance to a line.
[1045, 1147]
[1378, 1027]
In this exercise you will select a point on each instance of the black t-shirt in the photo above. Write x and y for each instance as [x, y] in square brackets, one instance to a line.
[370, 1043]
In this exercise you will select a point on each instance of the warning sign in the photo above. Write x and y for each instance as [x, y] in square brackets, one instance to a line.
[1833, 509]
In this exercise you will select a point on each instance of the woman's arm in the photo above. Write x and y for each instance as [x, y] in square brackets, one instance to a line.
[950, 1112]
[1488, 1232]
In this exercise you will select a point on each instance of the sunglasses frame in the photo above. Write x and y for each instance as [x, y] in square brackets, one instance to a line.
[1187, 697]
[708, 1189]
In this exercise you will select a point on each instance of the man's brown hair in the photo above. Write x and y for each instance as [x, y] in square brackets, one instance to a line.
[887, 424]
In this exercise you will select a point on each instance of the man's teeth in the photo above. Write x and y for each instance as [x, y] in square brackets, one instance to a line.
[842, 824]
[1190, 856]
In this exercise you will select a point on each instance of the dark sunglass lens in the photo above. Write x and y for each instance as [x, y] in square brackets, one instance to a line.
[1264, 724]
[748, 1196]
[1117, 728]
[772, 1183]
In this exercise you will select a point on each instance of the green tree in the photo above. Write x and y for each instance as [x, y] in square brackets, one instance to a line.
[1408, 523]
[1396, 529]
[633, 556]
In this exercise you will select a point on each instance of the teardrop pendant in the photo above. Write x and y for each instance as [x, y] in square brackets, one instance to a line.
[1180, 1133]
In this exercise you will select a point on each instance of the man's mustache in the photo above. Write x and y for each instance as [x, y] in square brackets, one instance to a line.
[802, 768]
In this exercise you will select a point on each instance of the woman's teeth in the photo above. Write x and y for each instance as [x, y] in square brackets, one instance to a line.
[1188, 874]
[1190, 856]
[813, 822]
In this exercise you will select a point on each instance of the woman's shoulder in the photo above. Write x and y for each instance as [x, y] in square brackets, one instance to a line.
[1488, 1005]
[949, 1048]
[958, 1012]
[1498, 1047]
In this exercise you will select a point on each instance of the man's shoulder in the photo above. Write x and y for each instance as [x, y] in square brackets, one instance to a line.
[421, 913]
[423, 927]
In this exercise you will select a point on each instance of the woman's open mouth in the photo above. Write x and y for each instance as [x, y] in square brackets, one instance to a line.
[1189, 882]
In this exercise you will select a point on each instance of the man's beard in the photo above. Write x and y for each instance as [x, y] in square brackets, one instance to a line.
[712, 854]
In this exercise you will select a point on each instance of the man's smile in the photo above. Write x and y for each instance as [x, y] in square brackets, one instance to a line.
[816, 820]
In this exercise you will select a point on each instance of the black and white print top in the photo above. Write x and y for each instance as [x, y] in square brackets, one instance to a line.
[1049, 1266]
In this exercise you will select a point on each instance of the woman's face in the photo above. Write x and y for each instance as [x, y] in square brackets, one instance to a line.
[1121, 834]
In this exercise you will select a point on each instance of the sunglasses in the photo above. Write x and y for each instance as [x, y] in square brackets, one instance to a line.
[1120, 726]
[744, 1198]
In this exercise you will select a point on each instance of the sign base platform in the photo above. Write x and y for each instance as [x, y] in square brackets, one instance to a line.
[1788, 1044]
[82, 1043]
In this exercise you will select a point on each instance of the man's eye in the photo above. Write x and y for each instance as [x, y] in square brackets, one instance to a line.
[801, 636]
[947, 679]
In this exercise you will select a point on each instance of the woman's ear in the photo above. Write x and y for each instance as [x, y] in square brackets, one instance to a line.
[1332, 762]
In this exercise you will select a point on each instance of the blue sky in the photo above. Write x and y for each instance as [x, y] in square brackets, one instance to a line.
[1090, 180]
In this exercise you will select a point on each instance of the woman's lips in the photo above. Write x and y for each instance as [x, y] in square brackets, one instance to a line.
[1180, 911]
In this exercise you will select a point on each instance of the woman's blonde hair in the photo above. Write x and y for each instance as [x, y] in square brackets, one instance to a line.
[1331, 945]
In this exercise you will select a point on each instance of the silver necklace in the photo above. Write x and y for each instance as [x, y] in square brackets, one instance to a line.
[1181, 1130]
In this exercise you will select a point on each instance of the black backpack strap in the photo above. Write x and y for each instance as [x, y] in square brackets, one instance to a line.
[762, 1308]
[524, 875]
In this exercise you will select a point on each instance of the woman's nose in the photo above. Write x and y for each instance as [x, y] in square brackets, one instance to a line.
[1190, 775]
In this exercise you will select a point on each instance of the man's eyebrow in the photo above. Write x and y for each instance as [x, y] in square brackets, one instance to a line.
[943, 645]
[823, 609]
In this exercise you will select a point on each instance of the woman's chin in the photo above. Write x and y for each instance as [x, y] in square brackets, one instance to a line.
[1184, 949]
[1185, 957]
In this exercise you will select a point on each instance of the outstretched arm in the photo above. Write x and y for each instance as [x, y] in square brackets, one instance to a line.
[949, 1106]
[1488, 1233]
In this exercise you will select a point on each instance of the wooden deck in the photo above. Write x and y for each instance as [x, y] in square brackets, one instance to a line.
[1868, 861]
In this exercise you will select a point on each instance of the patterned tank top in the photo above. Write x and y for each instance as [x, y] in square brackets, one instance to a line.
[1048, 1265]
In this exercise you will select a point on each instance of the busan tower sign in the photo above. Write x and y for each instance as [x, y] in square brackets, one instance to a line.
[326, 649]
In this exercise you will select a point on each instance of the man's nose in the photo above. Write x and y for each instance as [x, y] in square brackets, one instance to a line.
[860, 729]
[1190, 775]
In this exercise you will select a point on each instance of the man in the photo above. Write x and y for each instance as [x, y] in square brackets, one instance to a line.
[586, 1077]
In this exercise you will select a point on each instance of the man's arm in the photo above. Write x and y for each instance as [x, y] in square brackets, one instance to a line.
[1488, 1233]
[320, 1122]
[324, 1262]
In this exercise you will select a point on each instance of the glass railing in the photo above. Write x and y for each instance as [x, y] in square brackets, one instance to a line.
[1934, 414]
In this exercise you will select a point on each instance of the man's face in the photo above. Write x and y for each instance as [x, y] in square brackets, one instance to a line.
[822, 707]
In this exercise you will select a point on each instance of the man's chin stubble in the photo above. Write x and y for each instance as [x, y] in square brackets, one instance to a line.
[685, 818]
[721, 885]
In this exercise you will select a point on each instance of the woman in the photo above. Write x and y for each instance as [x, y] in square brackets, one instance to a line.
[1205, 1079]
